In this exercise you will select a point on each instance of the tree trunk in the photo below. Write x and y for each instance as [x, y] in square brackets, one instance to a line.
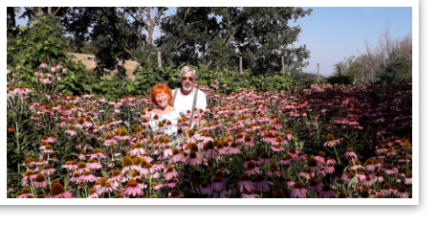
[282, 63]
[159, 59]
[240, 64]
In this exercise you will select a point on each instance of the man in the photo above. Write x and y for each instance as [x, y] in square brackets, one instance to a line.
[184, 97]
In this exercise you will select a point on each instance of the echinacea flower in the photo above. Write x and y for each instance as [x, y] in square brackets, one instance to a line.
[58, 191]
[327, 192]
[261, 184]
[298, 190]
[245, 183]
[132, 189]
[40, 181]
[169, 173]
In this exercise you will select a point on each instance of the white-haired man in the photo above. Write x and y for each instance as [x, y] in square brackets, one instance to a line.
[188, 97]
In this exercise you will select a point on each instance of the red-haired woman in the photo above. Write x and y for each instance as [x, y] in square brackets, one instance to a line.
[164, 118]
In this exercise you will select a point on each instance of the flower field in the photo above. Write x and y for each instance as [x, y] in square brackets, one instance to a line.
[326, 141]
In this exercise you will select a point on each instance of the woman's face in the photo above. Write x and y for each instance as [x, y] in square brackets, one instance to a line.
[162, 100]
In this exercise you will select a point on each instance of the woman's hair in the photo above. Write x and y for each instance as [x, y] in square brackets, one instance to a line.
[161, 88]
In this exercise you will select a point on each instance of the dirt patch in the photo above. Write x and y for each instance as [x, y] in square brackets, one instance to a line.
[88, 61]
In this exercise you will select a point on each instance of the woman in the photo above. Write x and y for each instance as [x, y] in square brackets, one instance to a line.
[162, 98]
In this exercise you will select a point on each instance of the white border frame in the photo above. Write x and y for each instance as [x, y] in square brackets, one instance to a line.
[309, 3]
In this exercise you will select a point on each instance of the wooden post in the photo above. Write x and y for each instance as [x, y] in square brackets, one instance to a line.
[240, 63]
[159, 59]
[317, 71]
[282, 63]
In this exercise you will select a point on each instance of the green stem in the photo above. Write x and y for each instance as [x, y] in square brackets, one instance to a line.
[337, 157]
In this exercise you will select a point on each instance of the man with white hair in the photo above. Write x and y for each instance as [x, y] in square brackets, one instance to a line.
[188, 97]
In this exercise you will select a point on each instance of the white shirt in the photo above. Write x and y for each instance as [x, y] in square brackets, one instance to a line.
[185, 103]
[171, 116]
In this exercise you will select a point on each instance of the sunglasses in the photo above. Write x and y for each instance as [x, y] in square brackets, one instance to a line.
[188, 78]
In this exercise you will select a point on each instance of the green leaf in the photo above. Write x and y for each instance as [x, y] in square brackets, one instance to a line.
[96, 86]
[60, 86]
[87, 87]
[54, 50]
[52, 39]
[130, 88]
[35, 22]
[71, 84]
[39, 45]
[18, 67]
[23, 28]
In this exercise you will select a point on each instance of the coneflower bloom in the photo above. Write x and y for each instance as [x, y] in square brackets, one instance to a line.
[58, 191]
[314, 186]
[156, 186]
[403, 192]
[387, 190]
[265, 158]
[349, 154]
[128, 164]
[93, 164]
[331, 142]
[193, 159]
[218, 184]
[234, 149]
[48, 150]
[138, 150]
[92, 194]
[40, 181]
[205, 189]
[96, 154]
[408, 179]
[47, 169]
[261, 184]
[109, 140]
[87, 177]
[147, 170]
[24, 193]
[245, 184]
[312, 165]
[368, 181]
[298, 190]
[251, 168]
[330, 168]
[169, 173]
[159, 166]
[132, 189]
[71, 130]
[176, 194]
[327, 192]
[76, 179]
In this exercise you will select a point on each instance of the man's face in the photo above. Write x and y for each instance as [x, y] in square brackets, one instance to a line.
[188, 80]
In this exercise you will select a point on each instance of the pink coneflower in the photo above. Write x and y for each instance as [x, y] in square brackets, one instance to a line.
[76, 179]
[117, 177]
[248, 141]
[47, 169]
[40, 181]
[261, 184]
[43, 64]
[193, 159]
[205, 189]
[93, 164]
[298, 190]
[349, 154]
[132, 189]
[128, 164]
[252, 169]
[88, 177]
[48, 150]
[277, 148]
[109, 140]
[24, 193]
[402, 192]
[312, 165]
[169, 173]
[156, 186]
[314, 186]
[147, 170]
[176, 157]
[331, 142]
[330, 167]
[58, 191]
[234, 149]
[390, 169]
[71, 130]
[218, 183]
[159, 166]
[408, 179]
[137, 149]
[245, 184]
[265, 158]
[176, 194]
[68, 165]
[387, 190]
[300, 157]
[327, 192]
[92, 194]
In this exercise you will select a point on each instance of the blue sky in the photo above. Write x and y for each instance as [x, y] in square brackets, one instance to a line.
[332, 33]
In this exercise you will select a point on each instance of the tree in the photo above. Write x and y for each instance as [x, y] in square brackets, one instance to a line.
[213, 36]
